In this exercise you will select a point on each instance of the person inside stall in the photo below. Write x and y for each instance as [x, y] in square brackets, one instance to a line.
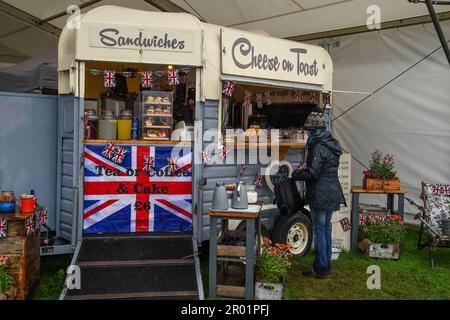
[323, 189]
[188, 112]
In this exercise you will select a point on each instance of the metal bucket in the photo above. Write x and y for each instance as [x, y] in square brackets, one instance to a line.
[446, 227]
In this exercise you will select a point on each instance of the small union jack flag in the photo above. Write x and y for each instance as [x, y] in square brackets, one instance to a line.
[313, 98]
[173, 78]
[29, 225]
[109, 150]
[119, 154]
[229, 88]
[436, 189]
[258, 180]
[223, 153]
[206, 156]
[247, 98]
[445, 190]
[44, 215]
[345, 224]
[298, 95]
[362, 219]
[259, 100]
[3, 227]
[242, 168]
[146, 79]
[109, 78]
[267, 99]
[172, 164]
[149, 163]
[326, 97]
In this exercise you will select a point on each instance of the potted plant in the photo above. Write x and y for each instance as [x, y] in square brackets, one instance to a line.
[7, 290]
[273, 265]
[381, 174]
[380, 235]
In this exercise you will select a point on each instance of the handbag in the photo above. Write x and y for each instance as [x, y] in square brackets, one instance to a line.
[287, 196]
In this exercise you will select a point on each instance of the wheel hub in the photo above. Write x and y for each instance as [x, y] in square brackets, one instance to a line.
[297, 237]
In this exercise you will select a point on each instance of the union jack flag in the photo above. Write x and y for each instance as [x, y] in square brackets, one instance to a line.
[345, 224]
[326, 97]
[149, 163]
[206, 157]
[118, 154]
[242, 167]
[155, 201]
[298, 95]
[223, 153]
[267, 98]
[3, 227]
[445, 190]
[436, 189]
[109, 150]
[173, 78]
[29, 225]
[172, 165]
[146, 79]
[259, 100]
[258, 180]
[43, 217]
[313, 98]
[247, 98]
[228, 88]
[109, 78]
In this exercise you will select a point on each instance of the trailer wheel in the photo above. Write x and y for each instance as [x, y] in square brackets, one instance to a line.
[295, 229]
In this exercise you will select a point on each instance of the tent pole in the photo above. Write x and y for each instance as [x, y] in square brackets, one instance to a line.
[438, 28]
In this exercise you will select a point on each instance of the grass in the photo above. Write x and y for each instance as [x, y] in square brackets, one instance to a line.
[53, 273]
[407, 279]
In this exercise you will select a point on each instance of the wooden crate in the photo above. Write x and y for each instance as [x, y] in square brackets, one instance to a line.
[380, 251]
[372, 184]
[23, 255]
[393, 184]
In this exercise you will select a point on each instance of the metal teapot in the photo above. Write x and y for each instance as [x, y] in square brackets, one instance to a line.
[220, 197]
[240, 199]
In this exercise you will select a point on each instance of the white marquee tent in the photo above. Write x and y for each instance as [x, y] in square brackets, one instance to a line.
[400, 70]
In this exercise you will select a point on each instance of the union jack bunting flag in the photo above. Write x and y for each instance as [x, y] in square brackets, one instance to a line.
[173, 77]
[345, 224]
[326, 97]
[149, 163]
[109, 78]
[313, 98]
[29, 225]
[109, 150]
[258, 180]
[228, 88]
[242, 168]
[298, 95]
[247, 98]
[259, 100]
[3, 227]
[206, 157]
[118, 154]
[223, 153]
[172, 165]
[267, 99]
[43, 217]
[156, 201]
[146, 79]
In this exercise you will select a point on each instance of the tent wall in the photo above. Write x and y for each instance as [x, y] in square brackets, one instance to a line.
[409, 117]
[28, 126]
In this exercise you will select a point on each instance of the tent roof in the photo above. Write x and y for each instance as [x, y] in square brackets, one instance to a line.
[31, 27]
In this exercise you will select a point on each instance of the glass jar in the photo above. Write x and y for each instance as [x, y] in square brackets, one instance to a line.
[124, 125]
[108, 125]
[91, 125]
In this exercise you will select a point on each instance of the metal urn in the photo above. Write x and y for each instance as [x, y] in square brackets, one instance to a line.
[240, 198]
[220, 197]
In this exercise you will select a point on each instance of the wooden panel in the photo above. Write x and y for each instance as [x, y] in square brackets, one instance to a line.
[362, 190]
[140, 142]
[12, 245]
[16, 228]
[231, 291]
[230, 251]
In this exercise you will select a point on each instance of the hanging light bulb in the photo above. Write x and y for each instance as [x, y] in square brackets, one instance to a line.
[169, 67]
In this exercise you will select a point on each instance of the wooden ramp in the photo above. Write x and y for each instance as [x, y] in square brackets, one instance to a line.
[137, 267]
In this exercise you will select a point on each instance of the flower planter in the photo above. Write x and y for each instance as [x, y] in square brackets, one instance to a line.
[372, 184]
[268, 291]
[392, 184]
[380, 251]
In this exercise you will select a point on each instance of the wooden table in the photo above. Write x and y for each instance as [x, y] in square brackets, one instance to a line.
[23, 253]
[234, 253]
[356, 191]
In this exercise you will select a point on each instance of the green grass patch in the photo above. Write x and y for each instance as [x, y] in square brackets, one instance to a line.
[53, 274]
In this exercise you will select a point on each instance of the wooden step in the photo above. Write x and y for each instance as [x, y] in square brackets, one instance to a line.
[137, 295]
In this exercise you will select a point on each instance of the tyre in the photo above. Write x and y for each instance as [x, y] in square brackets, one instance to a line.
[295, 229]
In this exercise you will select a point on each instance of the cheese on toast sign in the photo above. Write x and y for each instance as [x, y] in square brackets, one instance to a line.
[257, 56]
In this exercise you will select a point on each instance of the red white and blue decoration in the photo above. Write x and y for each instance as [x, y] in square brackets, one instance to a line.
[133, 200]
[259, 100]
[298, 96]
[109, 78]
[114, 152]
[223, 153]
[242, 167]
[3, 227]
[441, 190]
[258, 180]
[146, 79]
[29, 225]
[206, 156]
[247, 99]
[43, 215]
[172, 165]
[149, 164]
[173, 77]
[228, 88]
[326, 98]
[313, 98]
[345, 224]
[267, 98]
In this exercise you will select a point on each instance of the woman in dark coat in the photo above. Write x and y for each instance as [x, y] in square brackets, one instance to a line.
[323, 190]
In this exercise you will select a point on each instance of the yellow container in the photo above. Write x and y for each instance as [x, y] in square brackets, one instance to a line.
[123, 129]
